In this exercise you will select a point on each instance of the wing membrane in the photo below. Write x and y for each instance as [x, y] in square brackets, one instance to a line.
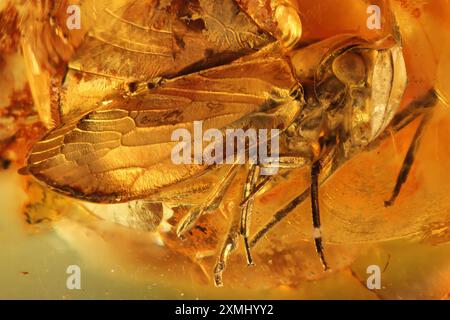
[122, 152]
[142, 40]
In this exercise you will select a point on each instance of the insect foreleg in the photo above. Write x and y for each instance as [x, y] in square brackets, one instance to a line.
[409, 160]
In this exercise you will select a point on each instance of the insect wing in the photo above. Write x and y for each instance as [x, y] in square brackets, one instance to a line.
[147, 40]
[123, 152]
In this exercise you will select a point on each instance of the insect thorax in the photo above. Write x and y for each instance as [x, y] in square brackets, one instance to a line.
[351, 96]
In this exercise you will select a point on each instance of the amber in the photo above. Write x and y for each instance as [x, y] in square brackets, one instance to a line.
[124, 63]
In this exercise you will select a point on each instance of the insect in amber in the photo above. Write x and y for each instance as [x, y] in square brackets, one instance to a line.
[330, 99]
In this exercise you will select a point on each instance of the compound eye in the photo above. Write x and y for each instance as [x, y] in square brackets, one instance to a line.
[350, 68]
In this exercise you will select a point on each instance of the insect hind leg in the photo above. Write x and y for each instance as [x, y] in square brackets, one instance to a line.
[228, 247]
[314, 189]
[286, 210]
[247, 209]
[423, 106]
[240, 224]
[311, 191]
[409, 160]
[236, 212]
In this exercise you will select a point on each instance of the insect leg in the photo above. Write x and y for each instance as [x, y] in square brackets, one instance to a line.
[408, 161]
[211, 202]
[401, 120]
[247, 208]
[229, 245]
[259, 186]
[420, 107]
[284, 162]
[282, 213]
[410, 113]
[315, 172]
[313, 191]
[231, 240]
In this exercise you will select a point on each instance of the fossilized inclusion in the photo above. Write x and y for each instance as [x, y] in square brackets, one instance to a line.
[111, 94]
